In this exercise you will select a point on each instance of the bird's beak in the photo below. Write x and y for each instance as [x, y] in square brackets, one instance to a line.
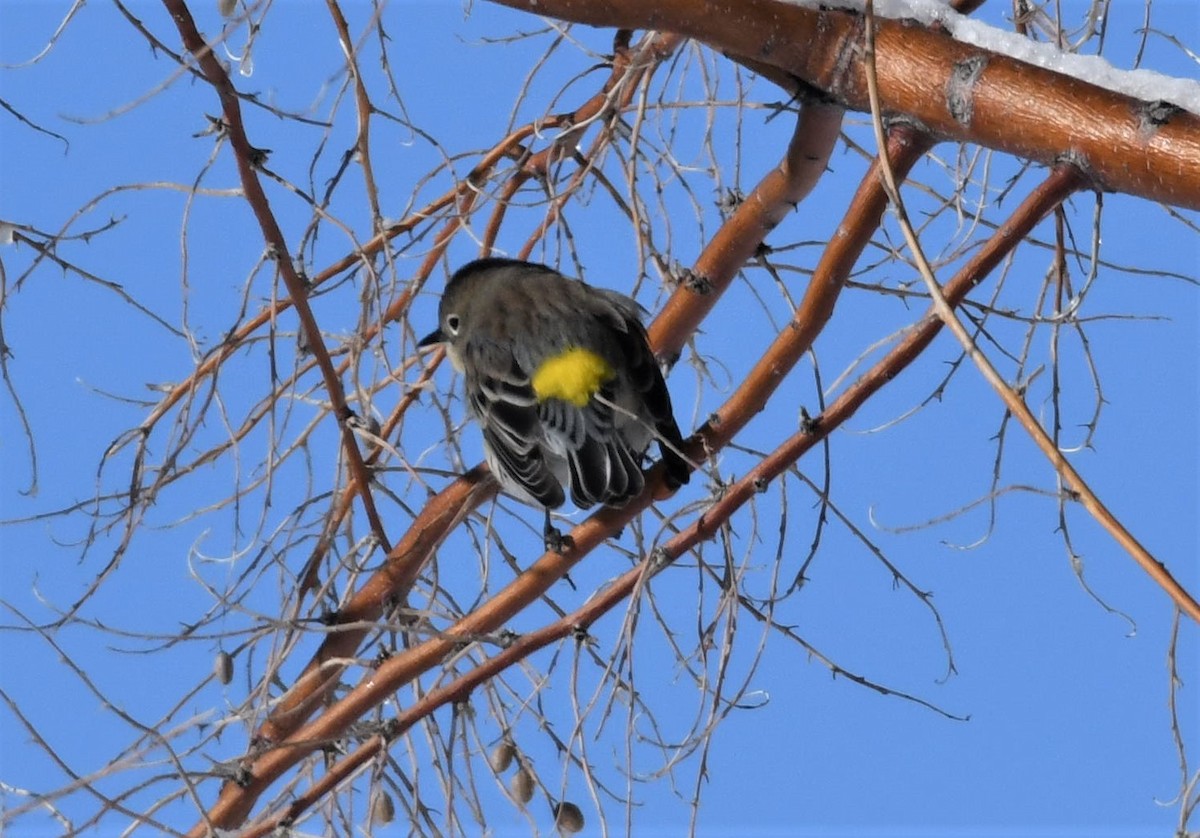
[432, 339]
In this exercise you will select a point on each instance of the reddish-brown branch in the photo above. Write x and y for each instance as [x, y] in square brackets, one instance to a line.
[1048, 195]
[236, 800]
[430, 528]
[954, 90]
[440, 515]
[736, 241]
[686, 309]
[1062, 181]
[861, 219]
[291, 743]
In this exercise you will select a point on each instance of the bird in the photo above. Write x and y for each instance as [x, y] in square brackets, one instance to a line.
[560, 377]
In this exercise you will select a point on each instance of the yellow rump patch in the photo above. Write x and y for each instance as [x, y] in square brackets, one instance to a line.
[573, 376]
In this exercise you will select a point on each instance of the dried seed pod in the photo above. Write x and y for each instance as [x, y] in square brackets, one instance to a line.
[568, 818]
[502, 756]
[223, 667]
[383, 809]
[521, 786]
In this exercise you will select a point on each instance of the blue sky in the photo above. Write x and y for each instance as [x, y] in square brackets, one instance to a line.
[1068, 733]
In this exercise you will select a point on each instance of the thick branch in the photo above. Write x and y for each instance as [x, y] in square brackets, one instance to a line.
[954, 90]
[780, 187]
[1061, 182]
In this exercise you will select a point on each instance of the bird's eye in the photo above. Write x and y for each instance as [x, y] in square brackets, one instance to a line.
[452, 324]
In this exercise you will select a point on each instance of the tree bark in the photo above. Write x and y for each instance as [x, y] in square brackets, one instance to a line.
[953, 90]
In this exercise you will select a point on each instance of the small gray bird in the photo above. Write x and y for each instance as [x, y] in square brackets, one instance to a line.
[562, 380]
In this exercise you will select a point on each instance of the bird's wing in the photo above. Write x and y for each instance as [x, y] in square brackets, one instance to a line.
[646, 379]
[601, 466]
[506, 408]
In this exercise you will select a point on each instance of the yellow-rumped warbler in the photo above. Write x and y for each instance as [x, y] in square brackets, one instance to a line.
[562, 380]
